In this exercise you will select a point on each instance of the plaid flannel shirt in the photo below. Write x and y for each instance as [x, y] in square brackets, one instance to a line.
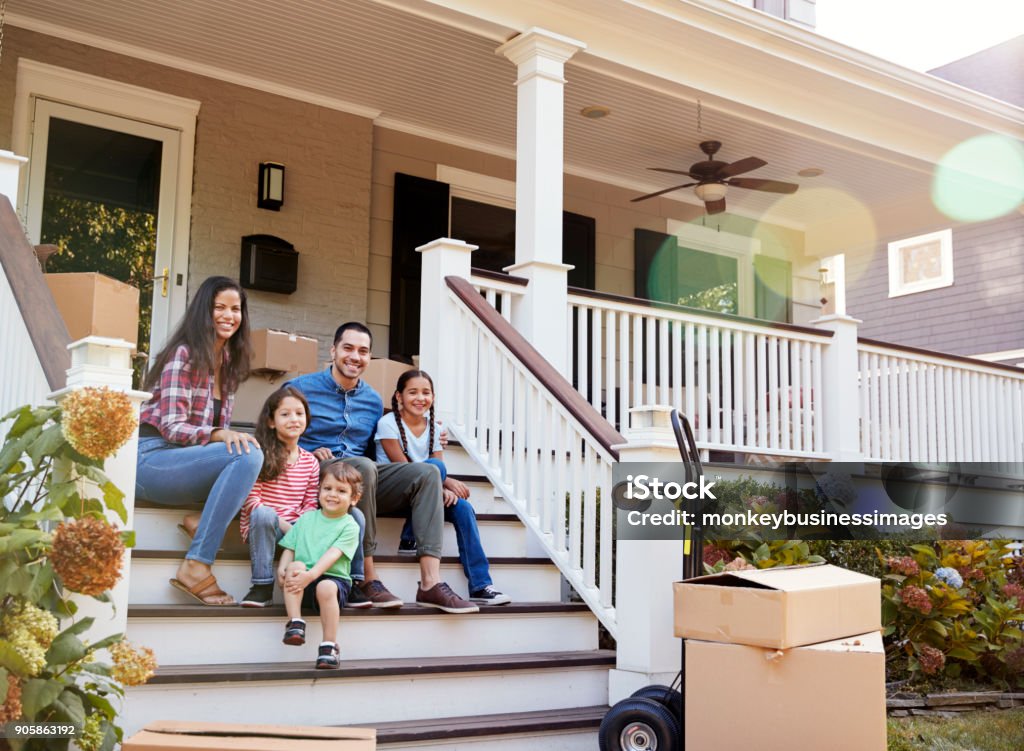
[182, 404]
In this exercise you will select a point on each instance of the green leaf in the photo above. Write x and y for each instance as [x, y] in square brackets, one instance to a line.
[106, 642]
[46, 444]
[63, 493]
[69, 707]
[3, 685]
[39, 693]
[102, 704]
[926, 550]
[962, 653]
[953, 669]
[22, 538]
[114, 499]
[128, 538]
[111, 737]
[79, 627]
[938, 628]
[49, 513]
[13, 449]
[65, 649]
[42, 581]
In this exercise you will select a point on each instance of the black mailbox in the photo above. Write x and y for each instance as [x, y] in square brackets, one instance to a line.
[269, 264]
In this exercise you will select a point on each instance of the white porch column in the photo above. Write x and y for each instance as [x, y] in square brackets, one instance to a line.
[441, 258]
[839, 380]
[10, 172]
[647, 651]
[99, 361]
[541, 315]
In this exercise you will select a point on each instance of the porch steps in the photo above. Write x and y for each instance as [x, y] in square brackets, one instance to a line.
[417, 687]
[565, 729]
[525, 675]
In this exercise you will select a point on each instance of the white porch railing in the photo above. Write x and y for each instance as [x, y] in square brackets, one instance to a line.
[925, 406]
[746, 386]
[499, 290]
[544, 449]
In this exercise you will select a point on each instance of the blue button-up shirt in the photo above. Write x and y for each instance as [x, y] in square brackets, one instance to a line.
[343, 421]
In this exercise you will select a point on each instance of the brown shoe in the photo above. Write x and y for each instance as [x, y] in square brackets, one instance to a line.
[378, 595]
[442, 597]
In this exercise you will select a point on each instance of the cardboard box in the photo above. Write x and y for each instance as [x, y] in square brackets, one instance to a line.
[93, 304]
[779, 607]
[253, 393]
[823, 696]
[211, 736]
[280, 351]
[383, 375]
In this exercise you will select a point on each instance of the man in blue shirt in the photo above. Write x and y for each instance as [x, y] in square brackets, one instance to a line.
[344, 414]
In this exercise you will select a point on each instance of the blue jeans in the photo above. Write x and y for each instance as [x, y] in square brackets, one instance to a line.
[462, 516]
[175, 475]
[265, 533]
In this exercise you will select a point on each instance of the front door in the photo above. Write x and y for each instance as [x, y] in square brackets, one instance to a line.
[102, 188]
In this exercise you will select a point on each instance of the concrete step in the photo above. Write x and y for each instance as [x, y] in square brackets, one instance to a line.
[503, 535]
[419, 688]
[570, 729]
[527, 579]
[196, 634]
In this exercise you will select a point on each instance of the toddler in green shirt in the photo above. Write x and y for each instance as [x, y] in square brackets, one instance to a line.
[314, 567]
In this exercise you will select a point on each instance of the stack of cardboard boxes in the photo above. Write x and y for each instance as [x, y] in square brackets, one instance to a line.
[787, 658]
[277, 358]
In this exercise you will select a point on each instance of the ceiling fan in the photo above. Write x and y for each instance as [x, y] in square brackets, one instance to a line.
[713, 178]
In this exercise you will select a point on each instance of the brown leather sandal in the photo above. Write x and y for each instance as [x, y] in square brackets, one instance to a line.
[204, 591]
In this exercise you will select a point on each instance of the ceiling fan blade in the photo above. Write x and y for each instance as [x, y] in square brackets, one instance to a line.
[675, 172]
[660, 192]
[738, 168]
[715, 207]
[771, 186]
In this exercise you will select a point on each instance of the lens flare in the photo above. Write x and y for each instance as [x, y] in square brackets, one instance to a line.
[980, 179]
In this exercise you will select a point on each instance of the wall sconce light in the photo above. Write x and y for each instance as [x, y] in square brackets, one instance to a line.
[271, 186]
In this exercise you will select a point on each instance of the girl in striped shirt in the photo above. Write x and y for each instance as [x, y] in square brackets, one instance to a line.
[285, 490]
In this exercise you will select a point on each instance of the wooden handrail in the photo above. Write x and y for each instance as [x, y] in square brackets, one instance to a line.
[553, 381]
[942, 355]
[45, 326]
[499, 276]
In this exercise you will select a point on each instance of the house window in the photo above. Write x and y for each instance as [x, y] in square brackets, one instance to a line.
[921, 263]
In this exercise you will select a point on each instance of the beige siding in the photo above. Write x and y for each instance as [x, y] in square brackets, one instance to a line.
[327, 204]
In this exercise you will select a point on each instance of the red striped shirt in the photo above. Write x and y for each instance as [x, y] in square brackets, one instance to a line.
[291, 494]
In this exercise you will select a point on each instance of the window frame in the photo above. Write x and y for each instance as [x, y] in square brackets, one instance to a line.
[899, 288]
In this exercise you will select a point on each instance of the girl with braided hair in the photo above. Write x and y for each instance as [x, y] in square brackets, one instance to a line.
[411, 434]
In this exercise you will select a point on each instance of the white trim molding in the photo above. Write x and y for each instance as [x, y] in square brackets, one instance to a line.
[37, 80]
[942, 242]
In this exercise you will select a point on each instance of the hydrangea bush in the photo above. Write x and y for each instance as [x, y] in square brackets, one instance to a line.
[54, 540]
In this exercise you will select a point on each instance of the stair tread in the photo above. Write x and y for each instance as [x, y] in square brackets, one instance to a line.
[381, 667]
[277, 611]
[242, 555]
[439, 728]
[197, 507]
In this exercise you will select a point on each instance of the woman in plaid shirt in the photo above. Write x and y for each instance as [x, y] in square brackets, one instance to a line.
[187, 450]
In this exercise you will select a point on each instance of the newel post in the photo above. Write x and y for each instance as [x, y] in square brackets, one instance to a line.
[647, 651]
[99, 361]
[10, 172]
[840, 404]
[439, 315]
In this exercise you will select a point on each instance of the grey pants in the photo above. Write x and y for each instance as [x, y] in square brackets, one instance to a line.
[394, 489]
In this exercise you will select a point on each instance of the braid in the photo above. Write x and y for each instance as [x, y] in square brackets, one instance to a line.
[398, 422]
[430, 444]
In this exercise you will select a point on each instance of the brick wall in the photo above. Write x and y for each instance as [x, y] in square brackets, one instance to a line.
[327, 204]
[981, 312]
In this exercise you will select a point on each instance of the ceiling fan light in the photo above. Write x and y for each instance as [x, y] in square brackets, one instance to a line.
[710, 191]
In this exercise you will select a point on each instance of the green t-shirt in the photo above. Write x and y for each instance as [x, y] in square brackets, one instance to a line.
[313, 534]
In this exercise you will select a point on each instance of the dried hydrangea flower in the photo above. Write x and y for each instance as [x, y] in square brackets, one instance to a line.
[931, 659]
[903, 565]
[132, 667]
[917, 599]
[97, 421]
[11, 708]
[1014, 590]
[87, 555]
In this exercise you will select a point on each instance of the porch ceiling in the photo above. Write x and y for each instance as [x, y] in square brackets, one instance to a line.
[416, 73]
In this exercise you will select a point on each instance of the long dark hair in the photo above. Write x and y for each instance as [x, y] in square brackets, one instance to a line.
[196, 332]
[275, 453]
[399, 387]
